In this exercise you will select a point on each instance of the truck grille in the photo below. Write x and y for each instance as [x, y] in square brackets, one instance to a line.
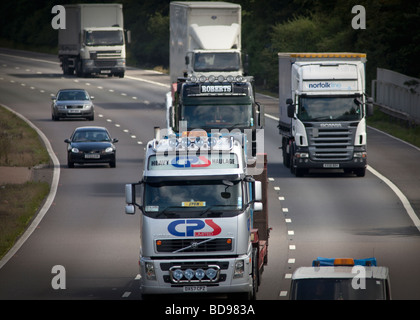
[331, 143]
[105, 63]
[195, 245]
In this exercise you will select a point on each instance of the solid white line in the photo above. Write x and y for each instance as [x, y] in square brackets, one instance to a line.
[403, 198]
[148, 81]
[50, 197]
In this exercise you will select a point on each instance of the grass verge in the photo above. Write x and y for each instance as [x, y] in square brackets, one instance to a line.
[398, 128]
[20, 146]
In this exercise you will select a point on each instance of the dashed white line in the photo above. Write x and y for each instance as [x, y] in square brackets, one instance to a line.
[285, 209]
[291, 260]
[126, 294]
[290, 232]
[281, 198]
[283, 293]
[288, 220]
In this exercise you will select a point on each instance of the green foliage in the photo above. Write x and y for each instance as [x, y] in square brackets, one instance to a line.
[391, 38]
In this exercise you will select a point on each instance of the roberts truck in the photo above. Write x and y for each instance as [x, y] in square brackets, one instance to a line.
[323, 108]
[202, 226]
[205, 38]
[93, 41]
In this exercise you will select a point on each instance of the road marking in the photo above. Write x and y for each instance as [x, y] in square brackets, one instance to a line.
[408, 208]
[277, 188]
[288, 220]
[148, 81]
[292, 247]
[283, 294]
[290, 232]
[288, 276]
[291, 260]
[126, 294]
[281, 198]
[285, 209]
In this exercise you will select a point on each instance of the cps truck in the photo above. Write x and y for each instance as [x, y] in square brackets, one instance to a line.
[93, 41]
[323, 109]
[198, 224]
[205, 38]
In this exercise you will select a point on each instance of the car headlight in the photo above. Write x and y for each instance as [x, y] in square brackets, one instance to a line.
[109, 150]
[74, 150]
[87, 106]
[60, 107]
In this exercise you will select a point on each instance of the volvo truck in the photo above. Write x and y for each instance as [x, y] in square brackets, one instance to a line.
[205, 38]
[93, 41]
[202, 222]
[323, 108]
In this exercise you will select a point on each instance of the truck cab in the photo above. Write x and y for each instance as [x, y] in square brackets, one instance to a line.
[197, 203]
[216, 103]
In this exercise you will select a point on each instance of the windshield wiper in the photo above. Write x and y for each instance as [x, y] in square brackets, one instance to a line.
[216, 205]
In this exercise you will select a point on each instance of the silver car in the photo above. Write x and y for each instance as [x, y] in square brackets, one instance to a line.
[72, 103]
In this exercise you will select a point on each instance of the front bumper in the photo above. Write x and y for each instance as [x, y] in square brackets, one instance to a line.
[164, 284]
[104, 66]
[82, 157]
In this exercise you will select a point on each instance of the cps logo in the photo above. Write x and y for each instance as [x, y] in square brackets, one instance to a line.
[190, 162]
[191, 227]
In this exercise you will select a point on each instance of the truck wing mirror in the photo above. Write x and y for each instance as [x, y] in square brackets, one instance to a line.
[130, 198]
[257, 191]
[187, 60]
[258, 206]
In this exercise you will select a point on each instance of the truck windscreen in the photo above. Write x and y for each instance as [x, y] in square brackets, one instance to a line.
[217, 61]
[104, 38]
[344, 108]
[193, 199]
[217, 116]
[337, 289]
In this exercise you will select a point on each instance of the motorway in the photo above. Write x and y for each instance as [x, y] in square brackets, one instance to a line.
[86, 231]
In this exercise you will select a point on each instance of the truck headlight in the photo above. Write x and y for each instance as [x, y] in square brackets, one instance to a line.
[120, 62]
[150, 270]
[360, 154]
[89, 63]
[302, 155]
[239, 268]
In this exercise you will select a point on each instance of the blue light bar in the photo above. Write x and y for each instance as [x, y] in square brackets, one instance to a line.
[329, 262]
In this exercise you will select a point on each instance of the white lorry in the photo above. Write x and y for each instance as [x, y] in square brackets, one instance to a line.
[323, 108]
[93, 41]
[205, 38]
[200, 215]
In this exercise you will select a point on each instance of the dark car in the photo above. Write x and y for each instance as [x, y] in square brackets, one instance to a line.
[91, 145]
[72, 103]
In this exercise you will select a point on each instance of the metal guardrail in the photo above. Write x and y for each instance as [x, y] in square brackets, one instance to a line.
[397, 95]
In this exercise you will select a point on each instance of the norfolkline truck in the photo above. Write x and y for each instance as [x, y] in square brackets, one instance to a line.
[323, 109]
[93, 41]
[203, 228]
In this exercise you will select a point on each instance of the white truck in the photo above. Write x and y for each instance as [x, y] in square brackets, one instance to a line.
[93, 41]
[205, 38]
[341, 279]
[323, 108]
[200, 210]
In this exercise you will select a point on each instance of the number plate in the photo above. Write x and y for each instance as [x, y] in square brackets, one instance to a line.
[105, 71]
[331, 165]
[92, 156]
[195, 289]
[74, 111]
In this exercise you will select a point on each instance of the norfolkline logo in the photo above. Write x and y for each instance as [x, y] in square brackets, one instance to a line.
[324, 85]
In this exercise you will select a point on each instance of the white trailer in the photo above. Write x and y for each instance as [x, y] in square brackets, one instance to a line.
[323, 109]
[93, 41]
[205, 38]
